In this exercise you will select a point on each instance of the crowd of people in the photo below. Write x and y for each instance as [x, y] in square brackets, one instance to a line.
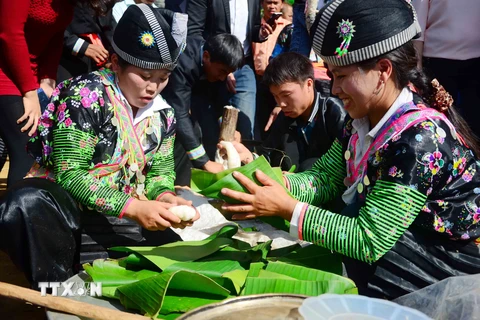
[107, 105]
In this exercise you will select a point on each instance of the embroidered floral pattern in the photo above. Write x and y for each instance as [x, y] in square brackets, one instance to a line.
[90, 160]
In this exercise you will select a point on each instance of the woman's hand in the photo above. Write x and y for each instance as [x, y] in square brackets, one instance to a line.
[31, 105]
[245, 155]
[271, 199]
[177, 201]
[153, 215]
[174, 199]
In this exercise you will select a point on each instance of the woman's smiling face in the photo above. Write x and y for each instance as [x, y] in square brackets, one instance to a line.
[356, 88]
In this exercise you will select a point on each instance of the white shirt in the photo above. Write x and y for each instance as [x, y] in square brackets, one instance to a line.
[366, 136]
[158, 103]
[239, 22]
[120, 7]
[365, 139]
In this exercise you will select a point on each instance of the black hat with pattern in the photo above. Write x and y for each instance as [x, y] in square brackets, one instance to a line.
[150, 38]
[351, 31]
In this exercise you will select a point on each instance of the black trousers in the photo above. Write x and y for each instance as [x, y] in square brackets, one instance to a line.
[11, 109]
[48, 236]
[461, 78]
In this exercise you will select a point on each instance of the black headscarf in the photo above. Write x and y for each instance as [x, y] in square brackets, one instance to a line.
[350, 31]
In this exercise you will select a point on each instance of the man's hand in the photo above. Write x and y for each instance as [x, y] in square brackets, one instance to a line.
[245, 155]
[213, 167]
[273, 116]
[266, 30]
[97, 53]
[231, 83]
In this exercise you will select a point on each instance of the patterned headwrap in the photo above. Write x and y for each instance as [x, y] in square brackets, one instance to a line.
[150, 38]
[351, 31]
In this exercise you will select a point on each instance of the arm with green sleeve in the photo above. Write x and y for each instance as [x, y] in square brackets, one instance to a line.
[73, 149]
[161, 176]
[389, 209]
[323, 182]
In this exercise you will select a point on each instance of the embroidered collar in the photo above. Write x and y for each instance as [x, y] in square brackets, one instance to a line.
[362, 125]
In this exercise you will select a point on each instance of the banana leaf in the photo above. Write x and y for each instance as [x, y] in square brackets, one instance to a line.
[112, 273]
[303, 280]
[135, 261]
[170, 253]
[311, 256]
[244, 256]
[186, 290]
[215, 270]
[210, 184]
[238, 278]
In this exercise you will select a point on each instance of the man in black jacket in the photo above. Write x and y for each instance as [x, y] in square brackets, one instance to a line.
[309, 121]
[189, 92]
[242, 19]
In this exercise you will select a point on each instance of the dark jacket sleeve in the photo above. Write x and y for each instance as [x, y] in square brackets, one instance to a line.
[256, 21]
[334, 117]
[197, 17]
[70, 39]
[178, 94]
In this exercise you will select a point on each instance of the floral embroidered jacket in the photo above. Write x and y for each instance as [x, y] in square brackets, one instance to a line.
[86, 141]
[417, 173]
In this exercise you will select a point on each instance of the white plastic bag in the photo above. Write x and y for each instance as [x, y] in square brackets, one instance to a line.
[453, 298]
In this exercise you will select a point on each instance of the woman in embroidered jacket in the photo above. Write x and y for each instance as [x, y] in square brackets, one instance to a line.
[107, 140]
[408, 173]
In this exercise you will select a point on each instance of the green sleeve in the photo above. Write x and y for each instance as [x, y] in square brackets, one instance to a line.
[161, 176]
[389, 210]
[393, 203]
[72, 151]
[324, 181]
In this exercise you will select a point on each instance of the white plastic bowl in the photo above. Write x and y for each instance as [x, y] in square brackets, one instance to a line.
[349, 307]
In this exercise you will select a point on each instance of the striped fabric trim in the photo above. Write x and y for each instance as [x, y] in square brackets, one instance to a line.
[142, 63]
[157, 32]
[164, 193]
[362, 54]
[196, 153]
[388, 211]
[323, 182]
[124, 210]
[323, 24]
[78, 45]
[300, 221]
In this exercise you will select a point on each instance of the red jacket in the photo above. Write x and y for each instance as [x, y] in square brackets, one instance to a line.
[31, 40]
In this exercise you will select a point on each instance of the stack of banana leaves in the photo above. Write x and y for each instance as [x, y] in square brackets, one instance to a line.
[210, 184]
[166, 281]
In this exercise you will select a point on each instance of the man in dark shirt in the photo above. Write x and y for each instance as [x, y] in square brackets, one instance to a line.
[191, 94]
[308, 123]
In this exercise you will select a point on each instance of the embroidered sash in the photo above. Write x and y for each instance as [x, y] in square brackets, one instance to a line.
[399, 122]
